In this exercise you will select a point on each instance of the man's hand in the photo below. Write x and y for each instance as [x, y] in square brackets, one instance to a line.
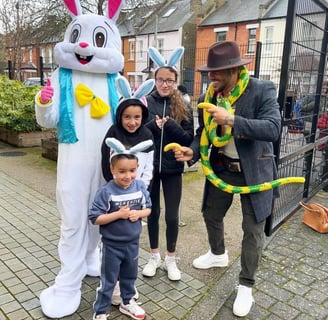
[221, 116]
[185, 154]
[47, 92]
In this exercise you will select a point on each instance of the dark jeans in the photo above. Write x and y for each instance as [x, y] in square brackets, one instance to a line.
[172, 188]
[215, 206]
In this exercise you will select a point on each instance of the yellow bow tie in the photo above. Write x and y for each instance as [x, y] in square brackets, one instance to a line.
[85, 95]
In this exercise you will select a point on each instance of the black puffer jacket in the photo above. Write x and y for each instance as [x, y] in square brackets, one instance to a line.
[172, 131]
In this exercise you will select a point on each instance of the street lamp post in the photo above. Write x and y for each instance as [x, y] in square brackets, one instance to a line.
[17, 62]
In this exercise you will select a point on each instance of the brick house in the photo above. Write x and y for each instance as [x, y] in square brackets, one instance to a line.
[242, 23]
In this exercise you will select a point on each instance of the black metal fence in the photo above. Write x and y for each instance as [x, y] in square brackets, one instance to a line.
[301, 150]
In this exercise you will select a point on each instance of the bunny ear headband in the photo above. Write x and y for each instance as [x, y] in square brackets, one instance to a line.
[174, 58]
[118, 147]
[137, 97]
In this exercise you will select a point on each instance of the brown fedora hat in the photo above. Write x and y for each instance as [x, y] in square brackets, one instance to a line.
[223, 55]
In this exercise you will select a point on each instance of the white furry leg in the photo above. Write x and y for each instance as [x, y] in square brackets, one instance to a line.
[58, 304]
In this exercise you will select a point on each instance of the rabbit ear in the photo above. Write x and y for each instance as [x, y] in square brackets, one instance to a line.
[144, 89]
[156, 56]
[123, 87]
[116, 145]
[175, 56]
[144, 145]
[113, 9]
[74, 7]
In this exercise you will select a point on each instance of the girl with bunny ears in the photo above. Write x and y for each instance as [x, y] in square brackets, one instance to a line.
[79, 100]
[129, 128]
[170, 120]
[118, 208]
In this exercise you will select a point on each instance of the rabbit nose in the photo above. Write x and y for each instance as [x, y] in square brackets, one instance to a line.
[83, 45]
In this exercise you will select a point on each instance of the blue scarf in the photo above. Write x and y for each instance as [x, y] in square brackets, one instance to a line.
[66, 127]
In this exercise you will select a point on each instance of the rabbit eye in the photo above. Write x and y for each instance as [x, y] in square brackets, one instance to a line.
[75, 34]
[100, 37]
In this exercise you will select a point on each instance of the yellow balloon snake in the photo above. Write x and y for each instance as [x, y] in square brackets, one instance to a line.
[209, 136]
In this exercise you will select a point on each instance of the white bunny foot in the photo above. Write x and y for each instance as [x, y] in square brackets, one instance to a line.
[58, 304]
[93, 264]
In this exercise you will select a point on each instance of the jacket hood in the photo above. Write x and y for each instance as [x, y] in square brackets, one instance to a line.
[129, 102]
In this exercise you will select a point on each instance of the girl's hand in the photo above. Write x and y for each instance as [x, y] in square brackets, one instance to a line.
[161, 121]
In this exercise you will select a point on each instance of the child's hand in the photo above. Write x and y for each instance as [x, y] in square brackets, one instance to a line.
[47, 92]
[134, 215]
[125, 212]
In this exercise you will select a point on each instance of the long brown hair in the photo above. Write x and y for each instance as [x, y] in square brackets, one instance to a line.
[179, 110]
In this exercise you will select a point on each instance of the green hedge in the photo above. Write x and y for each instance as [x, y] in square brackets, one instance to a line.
[17, 106]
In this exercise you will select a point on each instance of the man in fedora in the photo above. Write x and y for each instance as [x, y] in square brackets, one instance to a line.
[246, 159]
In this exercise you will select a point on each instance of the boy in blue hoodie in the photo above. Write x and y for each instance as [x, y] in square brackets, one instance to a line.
[118, 208]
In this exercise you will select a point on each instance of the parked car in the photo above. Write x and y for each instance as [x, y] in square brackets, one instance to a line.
[35, 81]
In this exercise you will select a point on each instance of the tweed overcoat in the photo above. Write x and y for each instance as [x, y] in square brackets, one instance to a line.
[257, 125]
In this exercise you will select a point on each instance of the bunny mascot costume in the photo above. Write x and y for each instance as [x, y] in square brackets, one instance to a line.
[79, 100]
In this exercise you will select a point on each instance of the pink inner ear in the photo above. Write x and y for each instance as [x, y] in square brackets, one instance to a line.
[113, 6]
[71, 6]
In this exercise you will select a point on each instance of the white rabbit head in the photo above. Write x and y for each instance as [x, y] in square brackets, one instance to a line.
[92, 43]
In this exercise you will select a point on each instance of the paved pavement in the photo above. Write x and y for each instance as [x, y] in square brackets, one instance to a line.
[292, 279]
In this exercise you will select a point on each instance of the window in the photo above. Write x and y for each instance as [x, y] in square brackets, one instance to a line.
[131, 81]
[23, 54]
[268, 38]
[139, 80]
[49, 55]
[221, 36]
[251, 40]
[160, 45]
[30, 54]
[140, 49]
[132, 50]
[221, 33]
[45, 55]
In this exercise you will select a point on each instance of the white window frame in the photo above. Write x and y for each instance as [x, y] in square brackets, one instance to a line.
[132, 49]
[140, 49]
[222, 30]
[268, 36]
[251, 46]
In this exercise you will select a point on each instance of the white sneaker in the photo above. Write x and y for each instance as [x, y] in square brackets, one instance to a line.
[116, 297]
[243, 302]
[133, 310]
[170, 266]
[100, 317]
[153, 264]
[210, 260]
